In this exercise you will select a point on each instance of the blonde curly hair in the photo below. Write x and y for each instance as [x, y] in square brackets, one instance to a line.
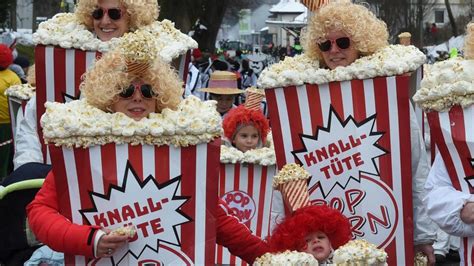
[140, 12]
[469, 41]
[105, 81]
[367, 32]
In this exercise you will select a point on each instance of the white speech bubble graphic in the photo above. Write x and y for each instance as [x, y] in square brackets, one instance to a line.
[241, 204]
[341, 151]
[154, 209]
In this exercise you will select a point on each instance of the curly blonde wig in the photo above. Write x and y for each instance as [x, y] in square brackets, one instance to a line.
[367, 32]
[140, 12]
[469, 41]
[105, 81]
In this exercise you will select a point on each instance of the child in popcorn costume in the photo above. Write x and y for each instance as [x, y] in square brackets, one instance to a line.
[317, 230]
[245, 129]
[154, 87]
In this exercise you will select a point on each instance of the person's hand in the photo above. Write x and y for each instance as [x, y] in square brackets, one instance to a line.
[428, 250]
[467, 213]
[108, 243]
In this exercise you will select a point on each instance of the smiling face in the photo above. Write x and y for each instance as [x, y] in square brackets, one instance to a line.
[107, 28]
[336, 56]
[318, 244]
[246, 138]
[136, 106]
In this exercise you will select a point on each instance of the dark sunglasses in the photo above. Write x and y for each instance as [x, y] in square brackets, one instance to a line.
[145, 89]
[342, 43]
[113, 13]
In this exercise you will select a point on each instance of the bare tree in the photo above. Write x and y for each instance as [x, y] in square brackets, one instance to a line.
[452, 21]
[45, 8]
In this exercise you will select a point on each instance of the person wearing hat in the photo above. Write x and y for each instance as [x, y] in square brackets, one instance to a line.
[7, 79]
[223, 88]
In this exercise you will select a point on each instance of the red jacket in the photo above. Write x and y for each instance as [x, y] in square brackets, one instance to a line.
[53, 229]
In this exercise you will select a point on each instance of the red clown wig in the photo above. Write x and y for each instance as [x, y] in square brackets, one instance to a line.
[6, 57]
[291, 232]
[240, 116]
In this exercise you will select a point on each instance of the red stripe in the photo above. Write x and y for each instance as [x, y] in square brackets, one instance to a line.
[84, 177]
[276, 127]
[109, 165]
[40, 74]
[437, 137]
[222, 178]
[79, 68]
[465, 243]
[135, 157]
[162, 163]
[383, 125]
[294, 116]
[212, 176]
[358, 99]
[336, 97]
[250, 181]
[237, 177]
[262, 200]
[472, 253]
[403, 101]
[392, 249]
[188, 189]
[59, 74]
[62, 190]
[314, 102]
[458, 133]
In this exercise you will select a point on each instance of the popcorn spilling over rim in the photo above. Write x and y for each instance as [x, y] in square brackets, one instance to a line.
[65, 31]
[389, 61]
[22, 91]
[77, 124]
[290, 172]
[261, 156]
[421, 259]
[286, 258]
[445, 84]
[359, 251]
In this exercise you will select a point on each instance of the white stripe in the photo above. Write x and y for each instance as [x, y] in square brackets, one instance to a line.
[90, 60]
[200, 216]
[325, 97]
[369, 95]
[347, 102]
[229, 177]
[395, 153]
[49, 70]
[73, 184]
[174, 157]
[148, 155]
[96, 169]
[256, 189]
[70, 71]
[285, 124]
[469, 127]
[271, 172]
[121, 151]
[304, 110]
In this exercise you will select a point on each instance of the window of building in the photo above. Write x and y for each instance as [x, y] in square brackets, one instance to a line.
[439, 16]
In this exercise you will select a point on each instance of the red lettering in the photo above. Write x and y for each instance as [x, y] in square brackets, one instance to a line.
[354, 142]
[127, 213]
[325, 170]
[343, 146]
[357, 222]
[153, 207]
[99, 219]
[357, 159]
[114, 216]
[337, 204]
[384, 221]
[333, 149]
[354, 198]
[140, 212]
[142, 227]
[156, 226]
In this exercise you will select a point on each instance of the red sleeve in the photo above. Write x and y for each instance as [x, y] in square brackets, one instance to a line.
[237, 237]
[55, 230]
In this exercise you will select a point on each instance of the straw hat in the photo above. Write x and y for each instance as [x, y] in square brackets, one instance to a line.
[223, 82]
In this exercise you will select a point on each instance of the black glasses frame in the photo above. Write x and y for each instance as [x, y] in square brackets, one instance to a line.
[145, 89]
[113, 13]
[343, 43]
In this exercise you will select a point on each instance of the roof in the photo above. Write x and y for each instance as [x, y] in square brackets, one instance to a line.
[288, 6]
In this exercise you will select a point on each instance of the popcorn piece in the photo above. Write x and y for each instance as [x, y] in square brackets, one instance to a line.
[359, 252]
[421, 259]
[129, 231]
[286, 258]
[292, 182]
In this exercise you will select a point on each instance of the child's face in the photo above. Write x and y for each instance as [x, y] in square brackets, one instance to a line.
[246, 138]
[318, 245]
[224, 102]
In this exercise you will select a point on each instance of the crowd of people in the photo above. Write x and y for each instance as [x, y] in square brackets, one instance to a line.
[338, 34]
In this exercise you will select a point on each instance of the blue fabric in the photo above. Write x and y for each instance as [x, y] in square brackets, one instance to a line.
[47, 256]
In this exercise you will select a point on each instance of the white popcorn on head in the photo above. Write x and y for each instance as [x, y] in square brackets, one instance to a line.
[65, 31]
[445, 84]
[290, 258]
[359, 252]
[290, 172]
[389, 61]
[22, 91]
[78, 124]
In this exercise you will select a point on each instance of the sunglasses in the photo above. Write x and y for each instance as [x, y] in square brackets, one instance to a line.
[145, 89]
[342, 43]
[113, 13]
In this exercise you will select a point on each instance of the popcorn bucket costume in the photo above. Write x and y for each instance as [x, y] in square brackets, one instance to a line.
[66, 47]
[446, 95]
[324, 119]
[157, 175]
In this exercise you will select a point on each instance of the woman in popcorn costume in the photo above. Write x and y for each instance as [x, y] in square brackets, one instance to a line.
[137, 85]
[245, 129]
[451, 209]
[345, 41]
[317, 230]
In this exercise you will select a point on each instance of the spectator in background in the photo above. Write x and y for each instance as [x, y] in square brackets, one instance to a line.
[249, 79]
[223, 89]
[7, 79]
[434, 33]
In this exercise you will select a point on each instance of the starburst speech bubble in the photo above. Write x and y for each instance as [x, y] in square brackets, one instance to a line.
[154, 209]
[341, 151]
